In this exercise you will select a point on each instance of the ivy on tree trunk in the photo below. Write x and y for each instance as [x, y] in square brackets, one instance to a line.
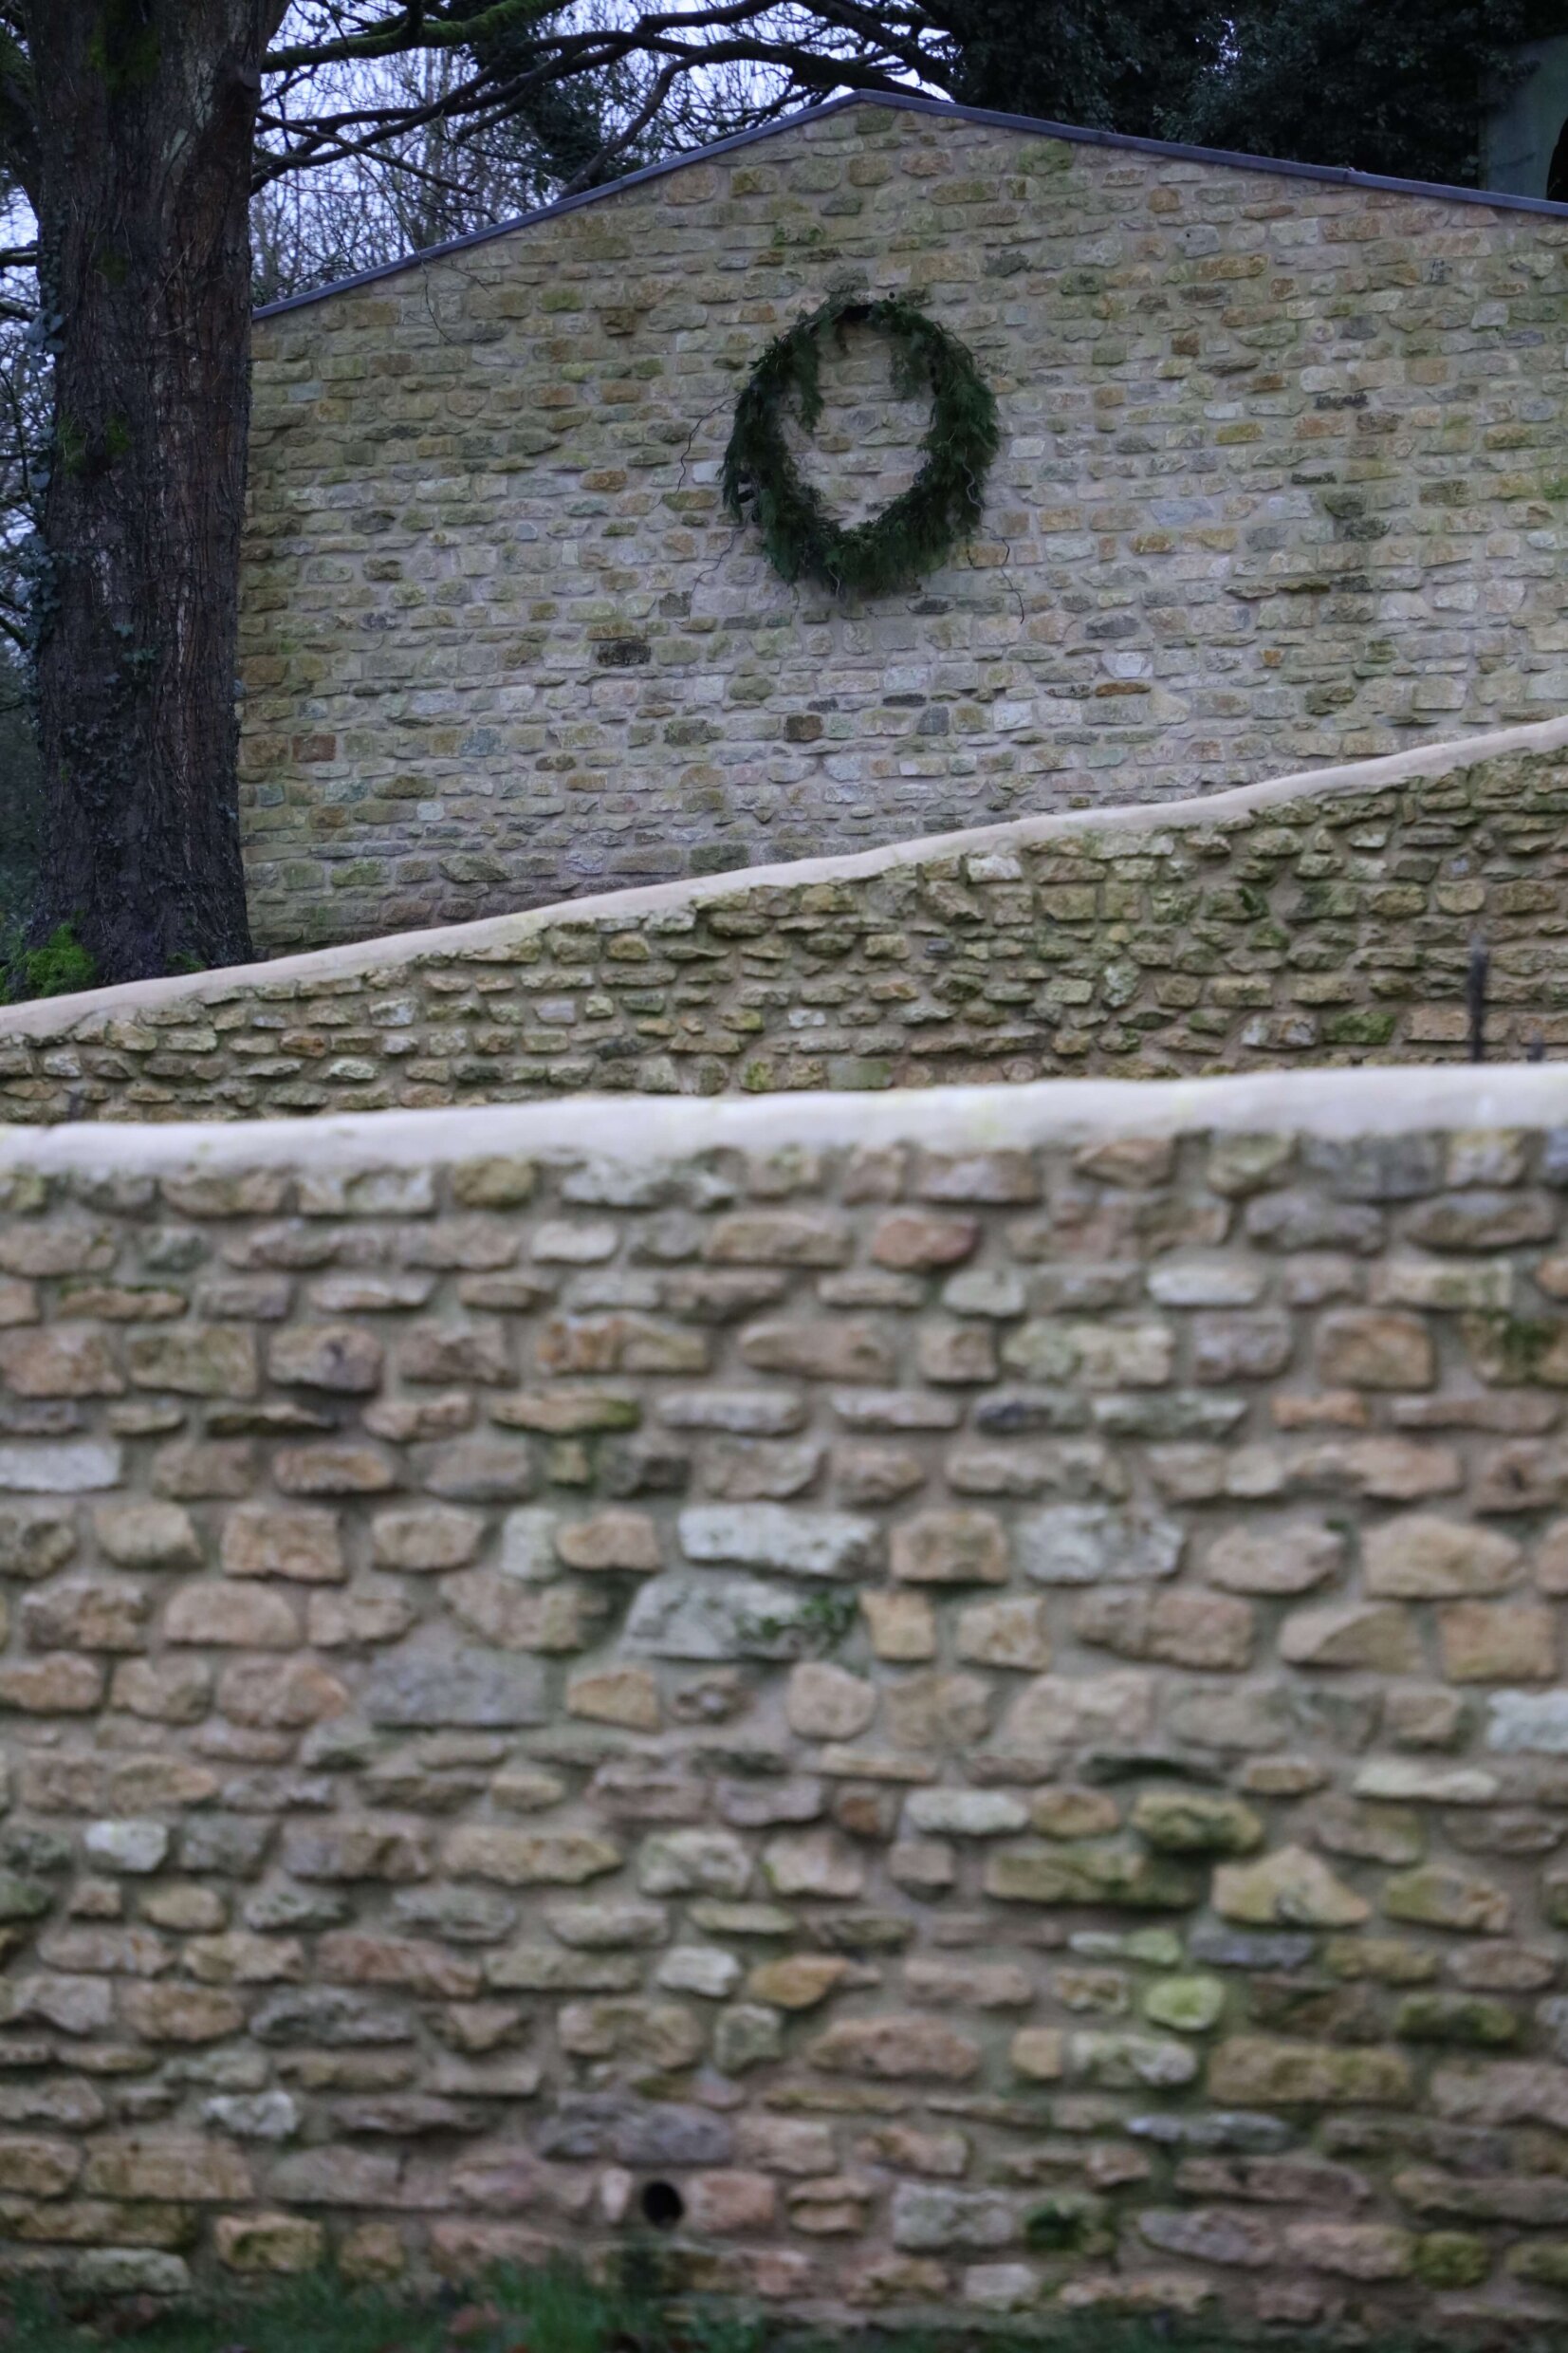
[145, 113]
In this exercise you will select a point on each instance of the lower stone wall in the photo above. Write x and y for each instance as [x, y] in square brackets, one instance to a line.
[953, 1697]
[1318, 920]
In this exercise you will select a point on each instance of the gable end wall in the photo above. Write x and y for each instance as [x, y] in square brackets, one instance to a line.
[1281, 482]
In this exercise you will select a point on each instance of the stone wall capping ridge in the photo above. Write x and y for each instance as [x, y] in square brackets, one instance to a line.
[409, 951]
[1372, 1099]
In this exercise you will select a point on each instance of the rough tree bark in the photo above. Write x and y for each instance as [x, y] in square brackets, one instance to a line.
[144, 115]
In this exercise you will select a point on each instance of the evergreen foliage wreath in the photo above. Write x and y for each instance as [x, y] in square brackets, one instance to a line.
[914, 534]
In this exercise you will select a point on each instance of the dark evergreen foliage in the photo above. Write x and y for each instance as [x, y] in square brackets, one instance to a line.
[916, 532]
[1394, 86]
[558, 130]
[1112, 65]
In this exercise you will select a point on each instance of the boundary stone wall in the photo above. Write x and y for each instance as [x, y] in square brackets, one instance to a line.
[1323, 918]
[1281, 482]
[969, 1683]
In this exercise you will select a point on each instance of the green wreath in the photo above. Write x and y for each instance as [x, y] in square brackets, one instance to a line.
[919, 530]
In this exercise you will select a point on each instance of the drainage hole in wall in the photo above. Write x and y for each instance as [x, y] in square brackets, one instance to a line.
[662, 2204]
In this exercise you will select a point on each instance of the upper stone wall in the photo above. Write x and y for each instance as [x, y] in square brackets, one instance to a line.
[1281, 482]
[1324, 918]
[968, 1685]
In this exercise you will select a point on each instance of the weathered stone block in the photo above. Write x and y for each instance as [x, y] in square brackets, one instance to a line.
[1070, 1874]
[902, 1627]
[1211, 1630]
[303, 1544]
[625, 1696]
[1266, 1556]
[1191, 1822]
[1012, 1634]
[1381, 1637]
[824, 1702]
[1292, 1887]
[950, 1548]
[231, 1616]
[1420, 1557]
[894, 2048]
[211, 1360]
[1497, 1642]
[1441, 1896]
[1369, 1349]
[1054, 1713]
[1257, 2072]
[1082, 1544]
[269, 2242]
[927, 2216]
[343, 1357]
[794, 1543]
[432, 1682]
[84, 1615]
[147, 1535]
[528, 1857]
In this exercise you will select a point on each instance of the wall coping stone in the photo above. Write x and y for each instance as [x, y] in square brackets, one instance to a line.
[52, 1016]
[1368, 1100]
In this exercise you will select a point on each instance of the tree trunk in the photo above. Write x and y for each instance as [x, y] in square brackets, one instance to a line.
[145, 119]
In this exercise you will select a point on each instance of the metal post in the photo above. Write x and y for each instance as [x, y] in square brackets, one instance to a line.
[1475, 998]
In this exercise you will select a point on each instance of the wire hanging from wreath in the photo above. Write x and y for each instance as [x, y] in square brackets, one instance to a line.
[920, 528]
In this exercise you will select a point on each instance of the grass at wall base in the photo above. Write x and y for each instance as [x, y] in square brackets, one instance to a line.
[555, 2310]
[561, 2308]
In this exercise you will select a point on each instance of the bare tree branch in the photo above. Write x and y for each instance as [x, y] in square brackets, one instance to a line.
[662, 84]
[409, 31]
[833, 44]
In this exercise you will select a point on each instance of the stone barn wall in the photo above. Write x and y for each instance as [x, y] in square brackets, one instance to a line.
[970, 1684]
[1321, 918]
[1282, 482]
